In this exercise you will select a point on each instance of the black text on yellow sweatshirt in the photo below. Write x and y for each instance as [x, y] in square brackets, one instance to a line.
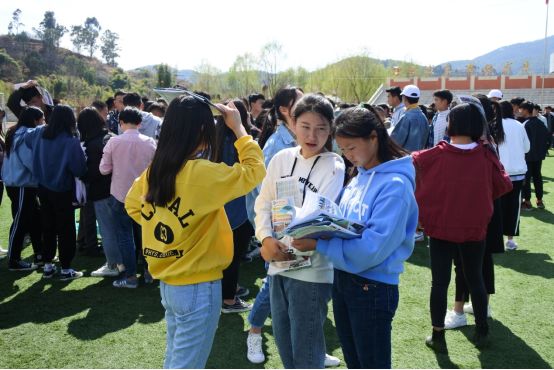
[190, 241]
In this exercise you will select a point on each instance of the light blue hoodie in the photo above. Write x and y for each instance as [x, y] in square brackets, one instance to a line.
[17, 170]
[383, 199]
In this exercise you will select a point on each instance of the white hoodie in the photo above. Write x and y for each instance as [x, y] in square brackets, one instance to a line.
[326, 178]
[512, 150]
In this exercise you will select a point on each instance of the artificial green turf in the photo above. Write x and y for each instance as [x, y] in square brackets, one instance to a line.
[89, 324]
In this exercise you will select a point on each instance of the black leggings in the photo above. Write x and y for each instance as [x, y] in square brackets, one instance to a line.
[26, 219]
[471, 256]
[58, 225]
[462, 291]
[241, 239]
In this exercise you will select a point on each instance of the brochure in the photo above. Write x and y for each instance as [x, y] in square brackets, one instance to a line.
[320, 217]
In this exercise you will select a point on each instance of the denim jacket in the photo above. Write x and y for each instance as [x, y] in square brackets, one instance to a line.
[412, 131]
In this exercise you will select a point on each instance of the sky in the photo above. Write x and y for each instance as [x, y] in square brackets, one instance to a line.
[185, 34]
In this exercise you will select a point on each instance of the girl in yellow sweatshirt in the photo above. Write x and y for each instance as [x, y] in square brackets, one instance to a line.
[187, 240]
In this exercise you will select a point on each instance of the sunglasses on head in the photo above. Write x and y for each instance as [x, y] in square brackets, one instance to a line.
[204, 100]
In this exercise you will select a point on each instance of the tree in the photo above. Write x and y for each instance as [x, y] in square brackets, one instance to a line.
[243, 78]
[77, 38]
[49, 31]
[110, 47]
[270, 59]
[9, 68]
[15, 24]
[207, 79]
[119, 80]
[91, 31]
[165, 76]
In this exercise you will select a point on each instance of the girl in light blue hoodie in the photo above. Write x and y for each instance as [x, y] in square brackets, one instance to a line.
[21, 186]
[367, 269]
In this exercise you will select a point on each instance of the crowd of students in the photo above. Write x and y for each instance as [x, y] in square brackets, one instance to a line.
[184, 191]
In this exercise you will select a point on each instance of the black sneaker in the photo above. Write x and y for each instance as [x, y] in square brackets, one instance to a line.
[71, 275]
[47, 274]
[481, 338]
[22, 266]
[437, 342]
[242, 292]
[238, 306]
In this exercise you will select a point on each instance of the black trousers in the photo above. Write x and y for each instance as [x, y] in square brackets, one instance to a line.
[511, 209]
[462, 290]
[471, 256]
[533, 172]
[87, 234]
[241, 239]
[26, 219]
[58, 225]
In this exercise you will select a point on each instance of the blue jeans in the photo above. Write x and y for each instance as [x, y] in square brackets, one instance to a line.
[192, 314]
[262, 307]
[108, 230]
[125, 242]
[363, 311]
[298, 311]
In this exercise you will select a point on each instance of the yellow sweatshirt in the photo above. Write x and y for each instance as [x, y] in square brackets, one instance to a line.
[190, 241]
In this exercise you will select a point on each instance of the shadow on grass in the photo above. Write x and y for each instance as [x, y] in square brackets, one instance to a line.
[543, 215]
[526, 262]
[507, 350]
[109, 309]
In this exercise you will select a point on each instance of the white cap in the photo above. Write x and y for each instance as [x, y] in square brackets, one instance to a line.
[495, 93]
[410, 91]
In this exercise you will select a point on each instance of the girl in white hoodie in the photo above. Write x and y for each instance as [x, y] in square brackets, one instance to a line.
[299, 298]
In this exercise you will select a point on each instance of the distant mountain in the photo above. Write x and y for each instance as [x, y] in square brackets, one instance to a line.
[517, 54]
[182, 74]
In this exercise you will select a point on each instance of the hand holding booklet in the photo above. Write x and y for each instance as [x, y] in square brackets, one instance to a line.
[320, 217]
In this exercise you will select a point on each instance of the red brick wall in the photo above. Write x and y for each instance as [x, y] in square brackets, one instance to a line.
[548, 82]
[487, 84]
[457, 84]
[520, 83]
[429, 85]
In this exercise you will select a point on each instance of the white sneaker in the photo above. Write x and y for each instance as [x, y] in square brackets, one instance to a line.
[105, 271]
[511, 245]
[3, 252]
[254, 344]
[454, 320]
[468, 308]
[331, 361]
[419, 236]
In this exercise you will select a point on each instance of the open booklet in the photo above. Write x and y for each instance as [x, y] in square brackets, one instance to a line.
[320, 217]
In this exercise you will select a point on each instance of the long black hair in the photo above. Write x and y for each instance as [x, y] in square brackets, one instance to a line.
[493, 114]
[61, 120]
[188, 126]
[28, 117]
[222, 131]
[360, 122]
[284, 97]
[90, 123]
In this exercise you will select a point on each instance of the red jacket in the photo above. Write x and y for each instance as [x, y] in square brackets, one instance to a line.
[455, 189]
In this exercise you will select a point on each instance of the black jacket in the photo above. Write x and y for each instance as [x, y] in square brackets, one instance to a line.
[538, 137]
[98, 185]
